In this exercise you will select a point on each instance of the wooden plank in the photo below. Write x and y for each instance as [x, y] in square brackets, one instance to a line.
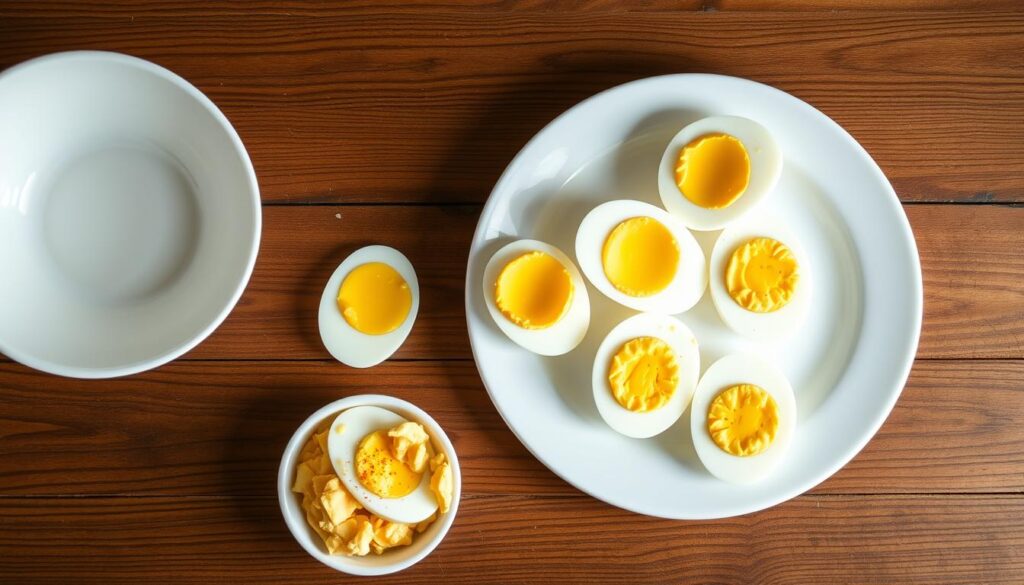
[431, 106]
[883, 539]
[220, 427]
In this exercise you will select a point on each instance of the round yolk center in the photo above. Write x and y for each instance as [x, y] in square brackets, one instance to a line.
[644, 374]
[713, 170]
[380, 472]
[743, 420]
[640, 257]
[374, 298]
[534, 290]
[762, 275]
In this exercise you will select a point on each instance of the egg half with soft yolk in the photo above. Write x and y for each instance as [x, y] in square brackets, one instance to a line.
[644, 374]
[742, 418]
[537, 297]
[640, 256]
[368, 306]
[716, 170]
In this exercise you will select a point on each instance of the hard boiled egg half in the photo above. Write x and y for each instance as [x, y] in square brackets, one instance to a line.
[359, 447]
[760, 279]
[717, 169]
[645, 372]
[537, 297]
[369, 306]
[641, 257]
[742, 418]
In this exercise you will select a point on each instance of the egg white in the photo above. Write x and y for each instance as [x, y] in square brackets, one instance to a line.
[641, 425]
[358, 422]
[778, 324]
[565, 334]
[724, 373]
[346, 344]
[691, 276]
[765, 170]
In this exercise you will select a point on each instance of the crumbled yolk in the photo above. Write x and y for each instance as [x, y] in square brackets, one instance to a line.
[534, 290]
[640, 256]
[743, 420]
[762, 275]
[713, 170]
[442, 483]
[374, 298]
[409, 445]
[644, 374]
[380, 471]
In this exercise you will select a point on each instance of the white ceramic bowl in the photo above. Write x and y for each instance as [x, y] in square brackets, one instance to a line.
[392, 560]
[129, 215]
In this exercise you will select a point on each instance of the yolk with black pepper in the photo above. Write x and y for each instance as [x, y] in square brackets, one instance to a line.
[380, 471]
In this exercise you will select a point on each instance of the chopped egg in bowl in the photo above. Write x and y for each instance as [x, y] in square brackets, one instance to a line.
[742, 418]
[537, 297]
[368, 306]
[716, 170]
[369, 484]
[644, 374]
[640, 256]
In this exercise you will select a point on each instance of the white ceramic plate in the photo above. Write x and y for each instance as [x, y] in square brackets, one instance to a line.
[847, 364]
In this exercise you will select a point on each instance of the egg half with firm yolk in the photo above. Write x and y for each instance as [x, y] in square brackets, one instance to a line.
[761, 279]
[644, 374]
[537, 297]
[742, 418]
[716, 170]
[368, 306]
[640, 256]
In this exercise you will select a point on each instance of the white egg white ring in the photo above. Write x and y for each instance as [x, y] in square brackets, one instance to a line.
[724, 373]
[691, 277]
[777, 324]
[355, 423]
[565, 334]
[641, 425]
[346, 344]
[765, 170]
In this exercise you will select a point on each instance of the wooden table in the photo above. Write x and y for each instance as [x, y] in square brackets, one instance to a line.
[384, 124]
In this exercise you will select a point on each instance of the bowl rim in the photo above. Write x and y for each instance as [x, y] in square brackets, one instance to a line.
[252, 187]
[297, 525]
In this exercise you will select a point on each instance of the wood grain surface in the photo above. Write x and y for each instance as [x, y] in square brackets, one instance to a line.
[373, 122]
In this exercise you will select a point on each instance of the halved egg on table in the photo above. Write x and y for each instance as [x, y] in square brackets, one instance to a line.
[742, 418]
[537, 297]
[716, 170]
[760, 279]
[368, 306]
[644, 375]
[640, 256]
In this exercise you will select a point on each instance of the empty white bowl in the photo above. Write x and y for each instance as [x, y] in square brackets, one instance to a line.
[393, 559]
[129, 215]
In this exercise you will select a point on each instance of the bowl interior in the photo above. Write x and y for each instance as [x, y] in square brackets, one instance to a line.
[391, 560]
[129, 214]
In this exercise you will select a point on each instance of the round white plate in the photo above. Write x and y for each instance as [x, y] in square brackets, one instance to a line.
[847, 364]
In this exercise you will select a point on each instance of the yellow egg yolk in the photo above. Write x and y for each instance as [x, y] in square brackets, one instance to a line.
[713, 170]
[743, 420]
[380, 472]
[644, 374]
[534, 290]
[374, 298]
[640, 256]
[762, 275]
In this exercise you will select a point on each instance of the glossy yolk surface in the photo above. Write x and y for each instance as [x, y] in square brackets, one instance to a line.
[713, 170]
[644, 374]
[743, 420]
[640, 256]
[374, 298]
[534, 290]
[762, 275]
[380, 472]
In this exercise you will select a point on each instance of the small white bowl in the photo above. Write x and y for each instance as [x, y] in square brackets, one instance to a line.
[394, 559]
[129, 215]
